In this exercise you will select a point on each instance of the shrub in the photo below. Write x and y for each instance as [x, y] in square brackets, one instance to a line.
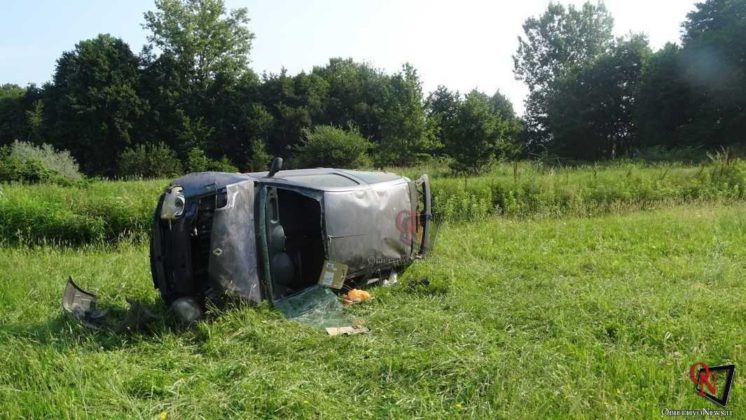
[197, 161]
[25, 162]
[259, 159]
[333, 147]
[149, 161]
[222, 165]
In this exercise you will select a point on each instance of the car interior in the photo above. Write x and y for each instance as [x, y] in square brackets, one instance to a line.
[296, 247]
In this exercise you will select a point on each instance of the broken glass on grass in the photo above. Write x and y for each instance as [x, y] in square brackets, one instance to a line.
[318, 306]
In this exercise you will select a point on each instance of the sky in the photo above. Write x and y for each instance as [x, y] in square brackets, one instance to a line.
[463, 45]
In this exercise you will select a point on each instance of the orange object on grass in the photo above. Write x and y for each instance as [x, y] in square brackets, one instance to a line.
[356, 295]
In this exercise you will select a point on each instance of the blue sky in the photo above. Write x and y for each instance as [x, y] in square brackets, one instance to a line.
[462, 44]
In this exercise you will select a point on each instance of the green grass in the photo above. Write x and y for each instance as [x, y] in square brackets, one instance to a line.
[530, 318]
[95, 211]
[100, 211]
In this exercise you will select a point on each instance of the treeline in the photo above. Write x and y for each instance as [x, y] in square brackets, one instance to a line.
[189, 100]
[596, 97]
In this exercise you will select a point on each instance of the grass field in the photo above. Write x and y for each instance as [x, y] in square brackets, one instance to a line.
[104, 212]
[522, 317]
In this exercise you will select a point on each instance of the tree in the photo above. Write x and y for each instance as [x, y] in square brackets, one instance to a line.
[200, 86]
[11, 113]
[556, 44]
[663, 105]
[590, 114]
[293, 103]
[387, 109]
[94, 102]
[502, 106]
[330, 146]
[202, 36]
[404, 134]
[475, 135]
[440, 108]
[259, 159]
[714, 66]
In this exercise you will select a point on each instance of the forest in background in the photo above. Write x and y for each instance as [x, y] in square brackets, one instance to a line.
[189, 101]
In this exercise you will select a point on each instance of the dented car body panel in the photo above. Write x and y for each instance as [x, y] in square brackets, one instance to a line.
[264, 237]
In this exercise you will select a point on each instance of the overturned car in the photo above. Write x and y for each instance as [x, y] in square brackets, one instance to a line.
[270, 235]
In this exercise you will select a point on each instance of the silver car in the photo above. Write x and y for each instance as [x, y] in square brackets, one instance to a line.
[269, 235]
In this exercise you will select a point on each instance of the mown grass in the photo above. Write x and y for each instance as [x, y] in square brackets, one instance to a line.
[529, 318]
[99, 211]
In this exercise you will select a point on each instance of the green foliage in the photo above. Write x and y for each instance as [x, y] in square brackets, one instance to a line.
[203, 37]
[222, 165]
[387, 109]
[661, 114]
[291, 104]
[404, 133]
[712, 63]
[334, 147]
[686, 154]
[25, 162]
[474, 135]
[259, 159]
[94, 102]
[77, 213]
[197, 161]
[530, 190]
[693, 95]
[557, 44]
[13, 169]
[11, 113]
[590, 96]
[149, 161]
[590, 112]
[441, 107]
[200, 87]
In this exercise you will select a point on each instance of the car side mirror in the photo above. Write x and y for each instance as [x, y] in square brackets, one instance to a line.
[275, 166]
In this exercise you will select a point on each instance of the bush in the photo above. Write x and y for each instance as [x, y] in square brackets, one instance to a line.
[222, 165]
[259, 159]
[25, 162]
[149, 161]
[333, 147]
[197, 161]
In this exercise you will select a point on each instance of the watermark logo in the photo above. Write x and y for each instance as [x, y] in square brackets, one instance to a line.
[406, 223]
[712, 382]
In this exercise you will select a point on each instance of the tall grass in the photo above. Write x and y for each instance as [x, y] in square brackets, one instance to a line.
[105, 211]
[94, 211]
[530, 190]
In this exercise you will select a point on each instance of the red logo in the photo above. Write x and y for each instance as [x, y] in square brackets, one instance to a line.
[705, 379]
[701, 378]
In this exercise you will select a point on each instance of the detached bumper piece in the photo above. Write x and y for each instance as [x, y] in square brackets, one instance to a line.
[81, 305]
